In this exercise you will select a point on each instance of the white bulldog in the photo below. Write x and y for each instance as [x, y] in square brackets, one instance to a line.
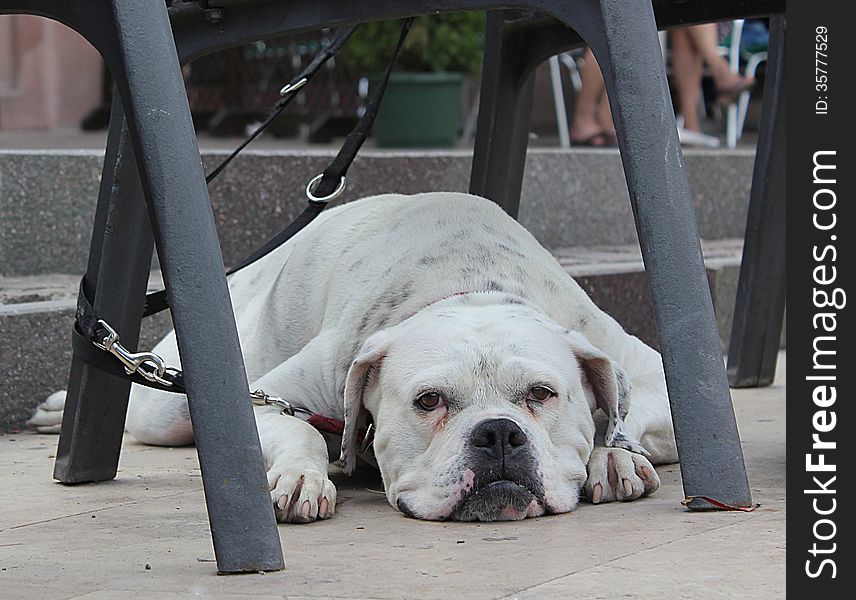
[496, 389]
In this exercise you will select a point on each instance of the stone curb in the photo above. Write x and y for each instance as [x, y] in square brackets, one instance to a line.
[570, 197]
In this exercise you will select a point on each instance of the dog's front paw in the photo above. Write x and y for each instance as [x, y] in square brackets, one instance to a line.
[301, 495]
[48, 416]
[616, 474]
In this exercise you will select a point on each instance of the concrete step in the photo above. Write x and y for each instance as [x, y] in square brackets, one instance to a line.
[614, 277]
[36, 313]
[569, 198]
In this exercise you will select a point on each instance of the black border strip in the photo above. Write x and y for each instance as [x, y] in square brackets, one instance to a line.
[820, 190]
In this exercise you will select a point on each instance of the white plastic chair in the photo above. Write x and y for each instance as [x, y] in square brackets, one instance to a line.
[569, 61]
[736, 116]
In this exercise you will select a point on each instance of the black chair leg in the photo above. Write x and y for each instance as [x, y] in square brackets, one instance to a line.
[505, 107]
[760, 307]
[136, 41]
[623, 37]
[148, 77]
[120, 259]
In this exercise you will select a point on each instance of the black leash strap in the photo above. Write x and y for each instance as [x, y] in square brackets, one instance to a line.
[93, 340]
[157, 301]
[287, 93]
[323, 188]
[333, 176]
[86, 350]
[96, 343]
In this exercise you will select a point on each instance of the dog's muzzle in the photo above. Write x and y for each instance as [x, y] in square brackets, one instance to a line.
[507, 485]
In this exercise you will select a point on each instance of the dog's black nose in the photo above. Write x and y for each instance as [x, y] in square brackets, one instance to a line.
[498, 437]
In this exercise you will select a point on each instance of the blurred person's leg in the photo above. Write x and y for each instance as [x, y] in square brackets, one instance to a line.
[604, 117]
[704, 38]
[586, 128]
[687, 69]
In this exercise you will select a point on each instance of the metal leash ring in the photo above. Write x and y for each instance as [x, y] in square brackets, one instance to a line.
[313, 184]
[155, 375]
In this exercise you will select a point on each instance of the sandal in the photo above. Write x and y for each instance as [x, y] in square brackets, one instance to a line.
[731, 93]
[601, 139]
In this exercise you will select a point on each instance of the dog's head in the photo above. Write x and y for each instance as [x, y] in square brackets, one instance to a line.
[483, 411]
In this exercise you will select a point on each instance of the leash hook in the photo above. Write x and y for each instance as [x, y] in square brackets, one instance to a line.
[148, 365]
[260, 398]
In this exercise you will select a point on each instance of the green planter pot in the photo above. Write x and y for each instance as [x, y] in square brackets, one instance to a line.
[420, 110]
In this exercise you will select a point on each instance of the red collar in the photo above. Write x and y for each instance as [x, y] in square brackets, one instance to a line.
[337, 427]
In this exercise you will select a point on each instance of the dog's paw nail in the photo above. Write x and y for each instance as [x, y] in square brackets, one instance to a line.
[622, 475]
[628, 488]
[596, 493]
[301, 495]
[649, 478]
[611, 471]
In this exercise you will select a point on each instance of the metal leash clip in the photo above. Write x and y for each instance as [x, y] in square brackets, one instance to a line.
[290, 88]
[148, 365]
[260, 398]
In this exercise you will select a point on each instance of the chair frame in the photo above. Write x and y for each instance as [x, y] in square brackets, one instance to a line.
[152, 155]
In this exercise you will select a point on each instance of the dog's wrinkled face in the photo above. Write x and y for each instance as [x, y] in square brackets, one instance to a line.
[481, 412]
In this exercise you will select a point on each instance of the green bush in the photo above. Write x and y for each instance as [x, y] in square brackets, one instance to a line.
[447, 42]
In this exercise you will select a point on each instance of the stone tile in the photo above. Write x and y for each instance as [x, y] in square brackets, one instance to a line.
[569, 198]
[95, 541]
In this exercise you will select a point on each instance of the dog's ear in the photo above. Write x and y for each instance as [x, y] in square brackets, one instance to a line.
[363, 368]
[611, 389]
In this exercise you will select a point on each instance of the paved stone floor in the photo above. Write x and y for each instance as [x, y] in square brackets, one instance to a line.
[145, 535]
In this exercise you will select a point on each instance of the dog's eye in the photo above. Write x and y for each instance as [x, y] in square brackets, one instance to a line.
[539, 393]
[429, 401]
